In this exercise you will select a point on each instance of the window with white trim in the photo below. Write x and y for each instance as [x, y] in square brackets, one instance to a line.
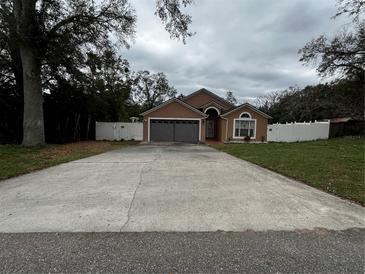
[245, 115]
[244, 127]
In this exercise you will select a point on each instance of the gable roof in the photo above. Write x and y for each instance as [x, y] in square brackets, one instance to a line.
[209, 93]
[172, 101]
[247, 105]
[211, 103]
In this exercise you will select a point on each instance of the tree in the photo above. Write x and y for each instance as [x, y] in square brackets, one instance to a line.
[40, 30]
[108, 77]
[352, 8]
[176, 22]
[100, 93]
[151, 90]
[343, 55]
[230, 97]
[42, 24]
[181, 96]
[11, 88]
[343, 98]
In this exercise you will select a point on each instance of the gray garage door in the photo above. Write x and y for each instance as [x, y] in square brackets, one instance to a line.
[174, 131]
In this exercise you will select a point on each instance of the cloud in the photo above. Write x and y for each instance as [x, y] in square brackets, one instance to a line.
[250, 47]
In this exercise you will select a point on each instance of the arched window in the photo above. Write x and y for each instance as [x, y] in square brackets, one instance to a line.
[244, 126]
[211, 109]
[245, 115]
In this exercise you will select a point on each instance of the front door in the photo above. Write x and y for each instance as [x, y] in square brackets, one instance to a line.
[211, 129]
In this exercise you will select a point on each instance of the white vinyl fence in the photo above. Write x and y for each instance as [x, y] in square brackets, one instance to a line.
[297, 132]
[118, 131]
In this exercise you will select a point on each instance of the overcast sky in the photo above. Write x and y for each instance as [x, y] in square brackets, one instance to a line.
[247, 46]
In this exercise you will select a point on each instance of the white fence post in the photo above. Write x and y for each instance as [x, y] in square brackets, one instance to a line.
[297, 132]
[118, 131]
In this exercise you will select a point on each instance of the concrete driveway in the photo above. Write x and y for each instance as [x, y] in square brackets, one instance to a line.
[167, 188]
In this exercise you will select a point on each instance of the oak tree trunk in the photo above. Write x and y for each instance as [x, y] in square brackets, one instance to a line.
[33, 121]
[88, 126]
[27, 30]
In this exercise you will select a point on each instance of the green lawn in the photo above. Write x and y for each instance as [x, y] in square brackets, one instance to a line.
[16, 160]
[335, 166]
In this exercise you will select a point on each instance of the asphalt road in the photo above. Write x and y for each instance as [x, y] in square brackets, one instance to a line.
[299, 251]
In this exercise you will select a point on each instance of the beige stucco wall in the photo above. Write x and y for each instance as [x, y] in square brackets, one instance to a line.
[172, 110]
[261, 123]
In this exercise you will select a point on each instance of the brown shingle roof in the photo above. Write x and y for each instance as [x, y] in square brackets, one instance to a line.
[248, 106]
[210, 93]
[177, 101]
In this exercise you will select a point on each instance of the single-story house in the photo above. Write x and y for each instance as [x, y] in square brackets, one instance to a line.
[203, 116]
